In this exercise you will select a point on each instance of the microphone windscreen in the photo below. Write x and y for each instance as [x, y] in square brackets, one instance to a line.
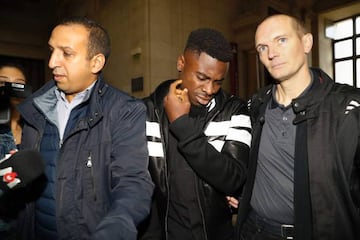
[20, 169]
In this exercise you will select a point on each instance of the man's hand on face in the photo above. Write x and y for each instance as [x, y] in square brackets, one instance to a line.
[176, 102]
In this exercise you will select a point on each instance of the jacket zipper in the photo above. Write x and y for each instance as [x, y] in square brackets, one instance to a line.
[166, 176]
[201, 209]
[196, 186]
[197, 183]
[90, 165]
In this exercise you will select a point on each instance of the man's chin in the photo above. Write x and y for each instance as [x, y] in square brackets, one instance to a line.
[202, 102]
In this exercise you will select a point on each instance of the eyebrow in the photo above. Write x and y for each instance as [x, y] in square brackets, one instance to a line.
[61, 47]
[66, 48]
[207, 77]
[2, 77]
[258, 45]
[283, 35]
[203, 75]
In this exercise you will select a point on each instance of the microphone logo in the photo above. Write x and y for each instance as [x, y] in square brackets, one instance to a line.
[9, 177]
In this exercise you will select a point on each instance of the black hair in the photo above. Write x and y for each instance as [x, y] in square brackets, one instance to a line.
[16, 65]
[210, 41]
[99, 40]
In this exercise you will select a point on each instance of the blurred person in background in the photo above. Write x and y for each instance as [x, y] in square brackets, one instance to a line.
[10, 133]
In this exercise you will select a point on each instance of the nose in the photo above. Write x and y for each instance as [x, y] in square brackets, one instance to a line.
[53, 60]
[208, 88]
[272, 52]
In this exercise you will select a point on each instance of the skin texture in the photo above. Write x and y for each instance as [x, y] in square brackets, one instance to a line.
[201, 77]
[71, 66]
[11, 74]
[283, 50]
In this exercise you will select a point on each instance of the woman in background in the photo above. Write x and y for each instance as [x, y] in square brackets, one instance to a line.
[10, 127]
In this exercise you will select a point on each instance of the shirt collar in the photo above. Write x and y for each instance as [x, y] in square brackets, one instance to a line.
[274, 103]
[79, 97]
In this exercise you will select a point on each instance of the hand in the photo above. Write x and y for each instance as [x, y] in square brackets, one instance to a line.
[176, 102]
[233, 202]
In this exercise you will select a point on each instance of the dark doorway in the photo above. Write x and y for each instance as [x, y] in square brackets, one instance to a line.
[34, 69]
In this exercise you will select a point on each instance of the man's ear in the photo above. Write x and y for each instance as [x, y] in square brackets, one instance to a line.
[307, 40]
[97, 63]
[180, 63]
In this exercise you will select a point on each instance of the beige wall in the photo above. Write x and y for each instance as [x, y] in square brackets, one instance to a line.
[149, 35]
[128, 32]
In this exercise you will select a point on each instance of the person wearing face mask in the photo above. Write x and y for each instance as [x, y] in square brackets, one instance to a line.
[10, 127]
[10, 134]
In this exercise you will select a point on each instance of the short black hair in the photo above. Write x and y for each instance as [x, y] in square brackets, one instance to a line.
[99, 40]
[210, 41]
[14, 64]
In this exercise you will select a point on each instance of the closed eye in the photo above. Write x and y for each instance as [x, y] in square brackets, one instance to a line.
[67, 54]
[202, 77]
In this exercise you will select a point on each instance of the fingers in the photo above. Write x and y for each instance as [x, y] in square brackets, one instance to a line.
[232, 202]
[13, 151]
[181, 93]
[175, 87]
[176, 102]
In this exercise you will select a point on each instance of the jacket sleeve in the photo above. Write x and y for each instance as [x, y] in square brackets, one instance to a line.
[220, 158]
[131, 185]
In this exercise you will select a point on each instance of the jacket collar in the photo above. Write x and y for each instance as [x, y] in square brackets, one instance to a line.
[94, 113]
[304, 105]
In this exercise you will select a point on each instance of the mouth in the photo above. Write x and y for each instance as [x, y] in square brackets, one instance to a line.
[58, 77]
[277, 65]
[203, 100]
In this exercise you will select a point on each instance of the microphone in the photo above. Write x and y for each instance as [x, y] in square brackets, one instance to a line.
[20, 169]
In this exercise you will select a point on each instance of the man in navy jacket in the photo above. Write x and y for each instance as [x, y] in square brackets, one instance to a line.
[92, 137]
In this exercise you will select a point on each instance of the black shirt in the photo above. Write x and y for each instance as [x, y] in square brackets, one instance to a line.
[184, 210]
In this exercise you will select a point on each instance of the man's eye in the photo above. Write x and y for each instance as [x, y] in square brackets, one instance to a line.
[66, 54]
[201, 78]
[261, 49]
[282, 40]
[219, 82]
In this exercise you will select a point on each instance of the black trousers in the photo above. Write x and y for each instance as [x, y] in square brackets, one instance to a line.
[250, 231]
[256, 228]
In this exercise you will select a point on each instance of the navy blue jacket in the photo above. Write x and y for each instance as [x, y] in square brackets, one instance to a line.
[103, 188]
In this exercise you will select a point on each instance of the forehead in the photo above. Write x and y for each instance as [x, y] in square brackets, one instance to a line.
[12, 73]
[206, 64]
[69, 36]
[273, 27]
